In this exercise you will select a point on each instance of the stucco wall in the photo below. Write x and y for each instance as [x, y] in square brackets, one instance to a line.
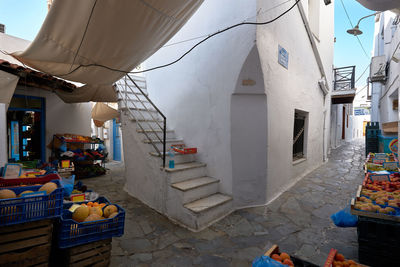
[196, 93]
[61, 117]
[293, 88]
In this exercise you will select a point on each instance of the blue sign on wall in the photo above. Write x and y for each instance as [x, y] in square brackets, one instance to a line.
[283, 57]
[361, 111]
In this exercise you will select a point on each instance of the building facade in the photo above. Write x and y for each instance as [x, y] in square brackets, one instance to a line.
[254, 100]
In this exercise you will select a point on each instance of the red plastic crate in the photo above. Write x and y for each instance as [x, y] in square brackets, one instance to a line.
[29, 181]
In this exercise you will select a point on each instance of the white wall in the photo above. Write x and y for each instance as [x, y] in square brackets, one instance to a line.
[196, 93]
[293, 88]
[60, 117]
[385, 93]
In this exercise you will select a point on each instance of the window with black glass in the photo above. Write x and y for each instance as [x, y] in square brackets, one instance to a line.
[299, 131]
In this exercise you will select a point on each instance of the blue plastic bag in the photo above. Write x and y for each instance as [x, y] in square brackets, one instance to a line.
[344, 218]
[265, 261]
[68, 184]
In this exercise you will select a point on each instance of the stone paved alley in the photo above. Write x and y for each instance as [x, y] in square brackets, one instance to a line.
[298, 221]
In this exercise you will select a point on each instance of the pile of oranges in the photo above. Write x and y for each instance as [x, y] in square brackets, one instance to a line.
[283, 258]
[95, 204]
[340, 261]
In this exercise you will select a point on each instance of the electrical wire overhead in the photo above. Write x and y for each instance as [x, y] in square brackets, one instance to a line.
[351, 24]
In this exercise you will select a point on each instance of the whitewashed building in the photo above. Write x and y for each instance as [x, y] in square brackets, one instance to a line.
[255, 101]
[32, 94]
[385, 71]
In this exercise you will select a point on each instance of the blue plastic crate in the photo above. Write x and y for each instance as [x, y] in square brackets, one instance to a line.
[71, 233]
[31, 208]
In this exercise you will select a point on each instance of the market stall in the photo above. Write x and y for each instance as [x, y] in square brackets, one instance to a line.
[377, 204]
[83, 156]
[48, 220]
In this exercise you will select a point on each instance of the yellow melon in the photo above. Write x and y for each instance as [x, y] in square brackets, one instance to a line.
[110, 209]
[113, 215]
[48, 187]
[27, 191]
[93, 217]
[80, 214]
[95, 210]
[5, 193]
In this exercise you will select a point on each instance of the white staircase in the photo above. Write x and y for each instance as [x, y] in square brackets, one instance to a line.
[184, 193]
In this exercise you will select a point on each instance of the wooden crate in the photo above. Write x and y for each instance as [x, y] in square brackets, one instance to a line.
[26, 244]
[92, 254]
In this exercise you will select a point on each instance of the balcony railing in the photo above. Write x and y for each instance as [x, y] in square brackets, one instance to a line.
[344, 78]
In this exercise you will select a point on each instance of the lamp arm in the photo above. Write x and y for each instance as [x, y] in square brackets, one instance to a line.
[376, 13]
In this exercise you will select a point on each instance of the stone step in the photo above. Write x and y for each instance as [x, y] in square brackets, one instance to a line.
[159, 144]
[178, 158]
[194, 183]
[185, 171]
[208, 203]
[194, 189]
[176, 141]
[152, 133]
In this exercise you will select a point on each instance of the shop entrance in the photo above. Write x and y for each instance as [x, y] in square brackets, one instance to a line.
[26, 128]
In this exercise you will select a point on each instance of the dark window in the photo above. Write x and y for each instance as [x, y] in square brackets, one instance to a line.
[298, 135]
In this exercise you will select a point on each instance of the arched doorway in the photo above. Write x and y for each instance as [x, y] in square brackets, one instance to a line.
[249, 134]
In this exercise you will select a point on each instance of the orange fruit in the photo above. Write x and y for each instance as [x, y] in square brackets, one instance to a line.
[276, 257]
[95, 204]
[337, 264]
[285, 256]
[90, 204]
[102, 205]
[288, 262]
[351, 262]
[346, 264]
[339, 257]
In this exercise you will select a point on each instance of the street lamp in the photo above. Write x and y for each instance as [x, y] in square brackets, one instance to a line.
[356, 30]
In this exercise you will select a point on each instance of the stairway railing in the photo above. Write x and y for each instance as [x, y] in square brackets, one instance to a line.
[140, 118]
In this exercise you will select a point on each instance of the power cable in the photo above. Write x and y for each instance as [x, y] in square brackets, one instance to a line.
[362, 73]
[187, 52]
[351, 24]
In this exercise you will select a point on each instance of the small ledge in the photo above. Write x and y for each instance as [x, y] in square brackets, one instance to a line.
[298, 161]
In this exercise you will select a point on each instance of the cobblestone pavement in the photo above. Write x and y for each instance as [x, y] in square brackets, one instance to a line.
[298, 221]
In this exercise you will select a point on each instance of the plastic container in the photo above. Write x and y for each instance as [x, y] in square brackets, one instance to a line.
[71, 233]
[31, 208]
[171, 161]
[29, 181]
[379, 231]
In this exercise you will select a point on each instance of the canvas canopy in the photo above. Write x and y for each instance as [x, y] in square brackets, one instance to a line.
[8, 83]
[116, 34]
[380, 5]
[102, 112]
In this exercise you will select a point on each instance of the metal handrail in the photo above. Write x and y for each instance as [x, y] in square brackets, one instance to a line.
[344, 78]
[163, 128]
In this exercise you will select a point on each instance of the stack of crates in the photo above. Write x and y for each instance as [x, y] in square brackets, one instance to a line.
[371, 138]
[378, 241]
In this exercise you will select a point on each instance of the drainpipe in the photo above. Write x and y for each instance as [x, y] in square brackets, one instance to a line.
[323, 82]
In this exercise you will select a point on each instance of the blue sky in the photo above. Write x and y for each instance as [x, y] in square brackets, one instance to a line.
[348, 51]
[23, 19]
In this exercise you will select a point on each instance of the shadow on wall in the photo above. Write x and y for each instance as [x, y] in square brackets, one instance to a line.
[249, 134]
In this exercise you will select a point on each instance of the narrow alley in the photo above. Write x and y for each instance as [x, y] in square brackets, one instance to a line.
[299, 221]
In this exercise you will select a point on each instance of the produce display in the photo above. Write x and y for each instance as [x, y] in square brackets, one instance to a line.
[340, 261]
[93, 211]
[48, 188]
[283, 258]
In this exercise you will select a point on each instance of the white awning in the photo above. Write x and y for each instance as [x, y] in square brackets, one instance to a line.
[102, 112]
[8, 83]
[380, 5]
[117, 34]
